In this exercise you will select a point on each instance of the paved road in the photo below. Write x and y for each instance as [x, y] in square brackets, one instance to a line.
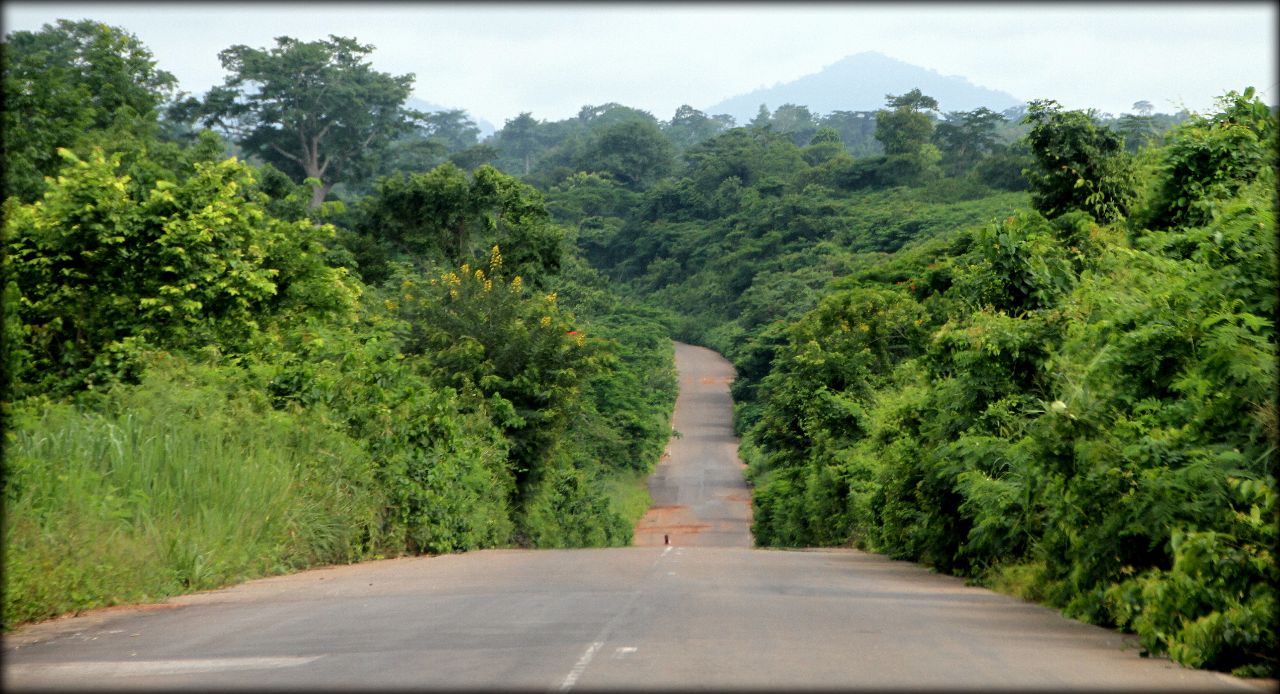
[681, 616]
[699, 496]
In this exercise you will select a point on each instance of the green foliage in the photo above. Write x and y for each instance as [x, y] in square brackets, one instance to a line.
[635, 153]
[102, 268]
[511, 352]
[689, 126]
[1209, 158]
[314, 109]
[1206, 610]
[70, 85]
[445, 217]
[905, 127]
[967, 138]
[1079, 165]
[1076, 403]
[437, 463]
[567, 508]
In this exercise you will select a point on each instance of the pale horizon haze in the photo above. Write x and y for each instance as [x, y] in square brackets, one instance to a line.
[497, 60]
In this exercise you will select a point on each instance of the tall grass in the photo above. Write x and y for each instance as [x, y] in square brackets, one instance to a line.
[628, 493]
[185, 482]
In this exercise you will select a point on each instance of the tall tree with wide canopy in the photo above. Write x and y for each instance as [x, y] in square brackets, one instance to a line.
[315, 109]
[451, 127]
[635, 153]
[69, 83]
[795, 121]
[689, 126]
[965, 136]
[519, 137]
[905, 126]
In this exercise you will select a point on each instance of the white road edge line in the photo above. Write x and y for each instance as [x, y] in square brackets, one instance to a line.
[136, 668]
[581, 666]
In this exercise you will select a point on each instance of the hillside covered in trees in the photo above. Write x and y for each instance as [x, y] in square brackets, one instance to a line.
[1035, 347]
[1060, 383]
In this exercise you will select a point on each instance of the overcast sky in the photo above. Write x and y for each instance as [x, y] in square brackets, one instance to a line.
[496, 60]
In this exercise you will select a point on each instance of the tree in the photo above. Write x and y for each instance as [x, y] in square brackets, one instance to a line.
[824, 146]
[1137, 130]
[689, 126]
[1209, 159]
[967, 135]
[67, 84]
[475, 156]
[749, 155]
[857, 130]
[414, 153]
[481, 331]
[519, 138]
[795, 121]
[103, 266]
[444, 217]
[905, 127]
[612, 113]
[1079, 165]
[314, 109]
[636, 153]
[1140, 128]
[452, 128]
[762, 118]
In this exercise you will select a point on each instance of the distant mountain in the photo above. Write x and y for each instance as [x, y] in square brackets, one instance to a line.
[486, 128]
[859, 83]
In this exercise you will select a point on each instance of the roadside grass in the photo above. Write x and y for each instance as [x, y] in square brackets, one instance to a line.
[628, 494]
[188, 481]
[1021, 580]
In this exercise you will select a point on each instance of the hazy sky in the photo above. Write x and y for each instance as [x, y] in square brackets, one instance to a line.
[496, 60]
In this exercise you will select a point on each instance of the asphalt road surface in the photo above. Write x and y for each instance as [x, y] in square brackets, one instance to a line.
[699, 496]
[685, 615]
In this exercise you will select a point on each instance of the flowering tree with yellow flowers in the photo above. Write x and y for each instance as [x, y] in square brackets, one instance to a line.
[505, 347]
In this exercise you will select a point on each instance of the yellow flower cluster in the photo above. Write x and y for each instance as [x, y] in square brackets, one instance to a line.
[517, 285]
[551, 297]
[545, 322]
[495, 258]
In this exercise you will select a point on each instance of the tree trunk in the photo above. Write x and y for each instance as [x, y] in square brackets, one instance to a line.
[318, 194]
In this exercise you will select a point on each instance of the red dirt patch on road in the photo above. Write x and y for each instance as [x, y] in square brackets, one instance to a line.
[661, 523]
